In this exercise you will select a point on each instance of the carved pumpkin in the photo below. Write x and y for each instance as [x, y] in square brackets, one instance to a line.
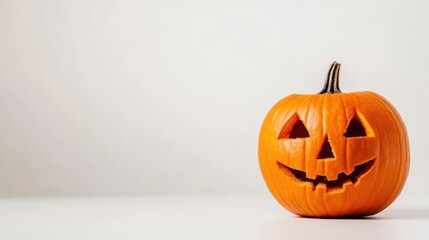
[334, 154]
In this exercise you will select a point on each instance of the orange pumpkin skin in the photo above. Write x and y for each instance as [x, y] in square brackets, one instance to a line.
[359, 176]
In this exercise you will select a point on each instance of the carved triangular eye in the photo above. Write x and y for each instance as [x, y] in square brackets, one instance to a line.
[355, 129]
[299, 130]
[294, 128]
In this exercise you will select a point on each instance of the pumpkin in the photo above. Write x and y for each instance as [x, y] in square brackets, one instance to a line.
[334, 154]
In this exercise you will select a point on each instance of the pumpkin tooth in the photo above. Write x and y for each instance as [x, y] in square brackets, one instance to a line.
[331, 176]
[311, 175]
[321, 187]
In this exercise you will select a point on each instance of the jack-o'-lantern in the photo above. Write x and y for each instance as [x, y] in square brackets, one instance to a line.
[334, 154]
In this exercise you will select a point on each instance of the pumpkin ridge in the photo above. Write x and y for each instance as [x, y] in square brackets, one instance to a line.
[344, 156]
[394, 117]
[312, 98]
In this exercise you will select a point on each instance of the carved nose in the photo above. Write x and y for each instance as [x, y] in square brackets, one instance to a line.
[326, 151]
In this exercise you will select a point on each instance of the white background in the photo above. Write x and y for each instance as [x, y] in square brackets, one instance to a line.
[250, 217]
[109, 98]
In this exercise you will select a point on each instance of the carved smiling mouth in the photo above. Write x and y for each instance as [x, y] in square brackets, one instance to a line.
[342, 178]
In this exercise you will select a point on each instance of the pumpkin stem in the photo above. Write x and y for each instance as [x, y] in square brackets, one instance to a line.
[332, 81]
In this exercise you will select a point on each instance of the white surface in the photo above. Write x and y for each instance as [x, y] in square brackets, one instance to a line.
[198, 217]
[161, 96]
